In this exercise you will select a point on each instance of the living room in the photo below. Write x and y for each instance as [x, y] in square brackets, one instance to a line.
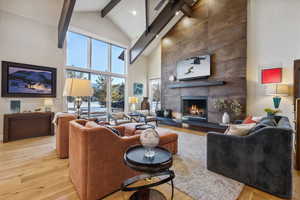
[183, 99]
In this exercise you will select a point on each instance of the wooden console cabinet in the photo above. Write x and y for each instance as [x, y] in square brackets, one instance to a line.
[27, 125]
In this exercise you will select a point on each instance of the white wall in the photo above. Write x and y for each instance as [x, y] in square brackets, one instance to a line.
[154, 63]
[31, 40]
[137, 73]
[101, 28]
[273, 40]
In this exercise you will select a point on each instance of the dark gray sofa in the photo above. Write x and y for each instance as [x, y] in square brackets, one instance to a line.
[262, 159]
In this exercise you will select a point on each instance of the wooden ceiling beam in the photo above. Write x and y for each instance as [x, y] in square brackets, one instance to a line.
[64, 21]
[109, 7]
[158, 24]
[190, 2]
[187, 10]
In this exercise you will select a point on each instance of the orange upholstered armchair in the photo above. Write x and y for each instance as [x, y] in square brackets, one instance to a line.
[96, 158]
[62, 133]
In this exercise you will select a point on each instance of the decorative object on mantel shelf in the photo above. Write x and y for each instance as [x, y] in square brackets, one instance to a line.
[197, 84]
[172, 78]
[228, 106]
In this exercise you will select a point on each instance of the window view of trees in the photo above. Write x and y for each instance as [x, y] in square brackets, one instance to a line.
[117, 94]
[100, 65]
[155, 94]
[99, 99]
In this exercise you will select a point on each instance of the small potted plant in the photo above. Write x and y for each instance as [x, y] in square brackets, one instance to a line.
[271, 112]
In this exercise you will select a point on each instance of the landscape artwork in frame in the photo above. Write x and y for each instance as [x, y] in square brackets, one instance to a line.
[138, 89]
[22, 80]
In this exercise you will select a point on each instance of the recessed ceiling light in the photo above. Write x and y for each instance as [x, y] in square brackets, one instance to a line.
[134, 12]
[157, 36]
[177, 13]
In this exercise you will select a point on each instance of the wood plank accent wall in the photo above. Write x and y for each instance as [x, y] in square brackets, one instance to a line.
[218, 27]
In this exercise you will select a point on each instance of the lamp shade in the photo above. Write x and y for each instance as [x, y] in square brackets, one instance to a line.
[78, 88]
[133, 100]
[277, 90]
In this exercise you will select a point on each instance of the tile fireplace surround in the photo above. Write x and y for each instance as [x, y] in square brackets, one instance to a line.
[210, 31]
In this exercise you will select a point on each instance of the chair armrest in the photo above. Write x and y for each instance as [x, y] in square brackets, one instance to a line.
[121, 129]
[128, 141]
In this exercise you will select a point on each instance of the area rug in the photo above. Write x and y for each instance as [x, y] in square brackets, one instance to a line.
[192, 176]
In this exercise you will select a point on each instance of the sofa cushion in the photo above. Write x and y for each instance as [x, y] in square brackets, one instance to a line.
[239, 129]
[248, 120]
[257, 127]
[268, 121]
[284, 123]
[91, 124]
[114, 130]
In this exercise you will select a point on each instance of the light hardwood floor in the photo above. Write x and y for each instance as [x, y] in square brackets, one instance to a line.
[30, 170]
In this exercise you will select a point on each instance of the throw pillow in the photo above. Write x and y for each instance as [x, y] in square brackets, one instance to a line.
[249, 120]
[240, 129]
[257, 118]
[91, 124]
[115, 131]
[257, 127]
[268, 121]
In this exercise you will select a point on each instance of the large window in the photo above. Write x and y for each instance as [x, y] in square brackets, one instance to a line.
[103, 64]
[155, 94]
[117, 94]
[100, 56]
[77, 52]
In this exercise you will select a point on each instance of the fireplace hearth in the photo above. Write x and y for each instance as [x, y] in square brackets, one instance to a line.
[194, 108]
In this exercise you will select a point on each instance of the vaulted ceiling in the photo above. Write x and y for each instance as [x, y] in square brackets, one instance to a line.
[128, 15]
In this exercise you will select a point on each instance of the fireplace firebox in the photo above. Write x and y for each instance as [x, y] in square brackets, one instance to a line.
[194, 108]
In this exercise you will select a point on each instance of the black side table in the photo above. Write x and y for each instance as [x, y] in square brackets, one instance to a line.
[156, 167]
[135, 116]
[144, 126]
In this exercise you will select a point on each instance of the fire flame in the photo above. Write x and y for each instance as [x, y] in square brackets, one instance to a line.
[194, 110]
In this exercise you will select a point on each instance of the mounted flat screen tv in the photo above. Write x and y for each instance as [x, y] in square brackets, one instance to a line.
[22, 80]
[194, 68]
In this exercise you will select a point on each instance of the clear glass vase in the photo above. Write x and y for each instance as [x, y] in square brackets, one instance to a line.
[149, 139]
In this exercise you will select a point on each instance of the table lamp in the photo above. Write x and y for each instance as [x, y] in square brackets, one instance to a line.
[78, 88]
[48, 103]
[133, 101]
[277, 91]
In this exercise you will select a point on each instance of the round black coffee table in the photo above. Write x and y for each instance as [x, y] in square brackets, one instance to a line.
[159, 166]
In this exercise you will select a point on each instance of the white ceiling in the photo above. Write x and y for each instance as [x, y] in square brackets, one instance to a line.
[121, 15]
